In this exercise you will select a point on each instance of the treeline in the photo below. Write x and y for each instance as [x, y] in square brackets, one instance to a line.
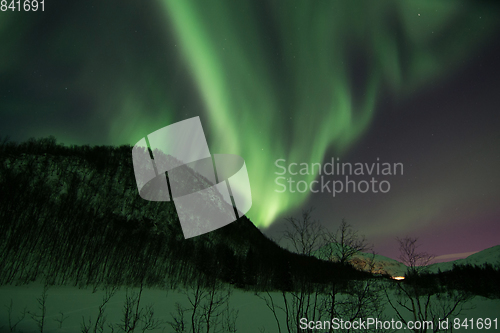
[73, 215]
[479, 280]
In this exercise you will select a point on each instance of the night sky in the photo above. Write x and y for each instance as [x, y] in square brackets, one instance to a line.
[411, 82]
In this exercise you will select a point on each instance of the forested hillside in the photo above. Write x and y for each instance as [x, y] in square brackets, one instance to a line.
[72, 215]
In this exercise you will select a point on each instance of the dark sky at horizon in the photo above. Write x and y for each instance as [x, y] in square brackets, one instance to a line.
[414, 82]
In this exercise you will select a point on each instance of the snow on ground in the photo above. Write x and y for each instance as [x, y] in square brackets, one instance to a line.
[77, 303]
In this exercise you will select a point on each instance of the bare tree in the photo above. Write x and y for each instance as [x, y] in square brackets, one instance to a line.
[304, 234]
[413, 300]
[131, 311]
[409, 255]
[271, 305]
[100, 321]
[343, 244]
[60, 320]
[179, 323]
[209, 307]
[308, 300]
[13, 323]
[358, 299]
[42, 306]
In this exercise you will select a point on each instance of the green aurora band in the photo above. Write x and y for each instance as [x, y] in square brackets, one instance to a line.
[270, 79]
[278, 78]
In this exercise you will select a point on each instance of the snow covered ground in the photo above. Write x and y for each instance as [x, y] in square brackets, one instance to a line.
[76, 303]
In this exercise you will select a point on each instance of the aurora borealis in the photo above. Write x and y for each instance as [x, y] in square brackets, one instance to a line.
[302, 81]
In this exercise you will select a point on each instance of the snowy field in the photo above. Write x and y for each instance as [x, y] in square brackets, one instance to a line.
[74, 304]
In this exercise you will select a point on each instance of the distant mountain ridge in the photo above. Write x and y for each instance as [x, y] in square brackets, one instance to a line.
[392, 267]
[363, 261]
[487, 256]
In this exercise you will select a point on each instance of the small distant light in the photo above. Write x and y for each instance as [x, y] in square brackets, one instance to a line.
[397, 277]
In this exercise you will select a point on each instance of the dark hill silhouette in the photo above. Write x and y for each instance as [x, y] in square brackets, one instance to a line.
[73, 215]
